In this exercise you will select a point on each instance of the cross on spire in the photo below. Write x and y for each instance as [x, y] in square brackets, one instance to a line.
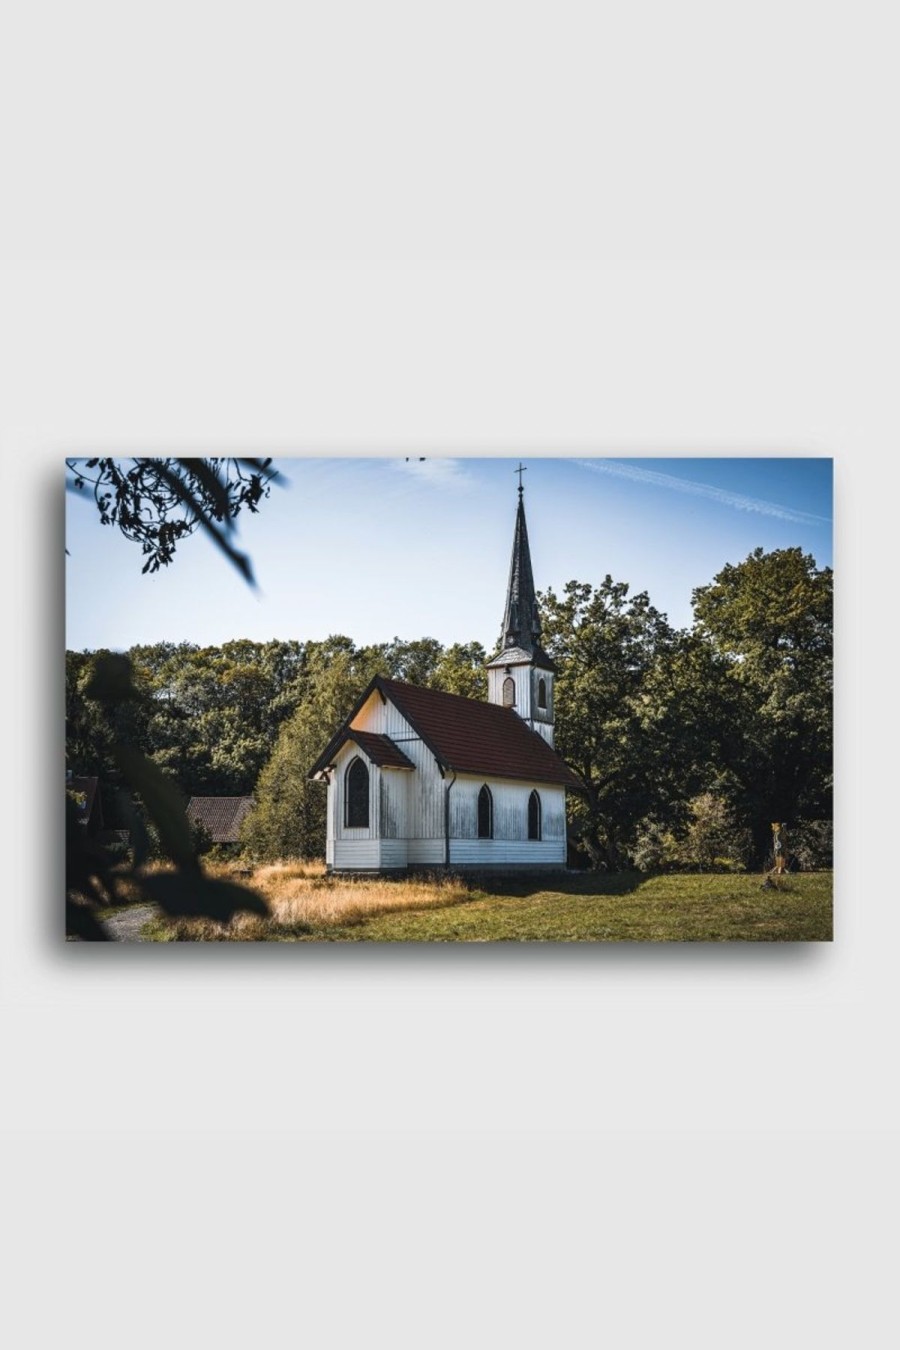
[520, 470]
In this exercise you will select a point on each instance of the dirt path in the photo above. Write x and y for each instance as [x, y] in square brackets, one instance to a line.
[126, 926]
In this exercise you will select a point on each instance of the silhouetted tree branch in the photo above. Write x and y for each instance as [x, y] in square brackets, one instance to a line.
[157, 503]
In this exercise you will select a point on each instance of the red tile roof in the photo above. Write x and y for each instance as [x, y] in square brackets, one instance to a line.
[222, 816]
[381, 750]
[466, 735]
[475, 737]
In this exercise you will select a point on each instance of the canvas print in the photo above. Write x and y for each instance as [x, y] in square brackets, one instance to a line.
[416, 698]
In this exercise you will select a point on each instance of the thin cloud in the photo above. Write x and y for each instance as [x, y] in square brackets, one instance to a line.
[434, 472]
[735, 500]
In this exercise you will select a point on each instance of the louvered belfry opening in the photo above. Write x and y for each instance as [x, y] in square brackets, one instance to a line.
[485, 813]
[356, 795]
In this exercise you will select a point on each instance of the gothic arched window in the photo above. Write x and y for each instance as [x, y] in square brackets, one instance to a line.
[542, 693]
[356, 795]
[509, 692]
[534, 816]
[485, 813]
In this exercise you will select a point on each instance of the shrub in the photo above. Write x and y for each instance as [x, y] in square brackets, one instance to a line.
[811, 844]
[710, 842]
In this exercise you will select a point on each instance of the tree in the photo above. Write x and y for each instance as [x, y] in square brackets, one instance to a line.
[288, 819]
[94, 878]
[613, 717]
[157, 503]
[462, 670]
[768, 621]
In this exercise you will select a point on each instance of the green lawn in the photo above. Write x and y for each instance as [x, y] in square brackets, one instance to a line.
[592, 908]
[625, 908]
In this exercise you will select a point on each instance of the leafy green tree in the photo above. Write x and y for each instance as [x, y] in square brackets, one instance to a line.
[768, 620]
[208, 715]
[461, 669]
[217, 710]
[614, 721]
[288, 819]
[413, 661]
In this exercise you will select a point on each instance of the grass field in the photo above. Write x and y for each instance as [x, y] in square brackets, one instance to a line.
[307, 906]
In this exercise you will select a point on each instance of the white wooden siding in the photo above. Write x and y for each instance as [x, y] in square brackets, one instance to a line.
[371, 855]
[526, 705]
[394, 803]
[357, 853]
[510, 809]
[425, 786]
[426, 852]
[394, 853]
[329, 822]
[520, 676]
[507, 852]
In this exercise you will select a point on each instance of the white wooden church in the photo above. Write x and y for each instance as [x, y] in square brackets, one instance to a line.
[420, 778]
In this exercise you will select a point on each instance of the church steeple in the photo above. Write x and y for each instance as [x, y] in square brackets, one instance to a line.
[521, 675]
[521, 621]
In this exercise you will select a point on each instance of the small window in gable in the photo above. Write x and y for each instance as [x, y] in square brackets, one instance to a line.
[356, 795]
[509, 692]
[542, 693]
[534, 816]
[485, 813]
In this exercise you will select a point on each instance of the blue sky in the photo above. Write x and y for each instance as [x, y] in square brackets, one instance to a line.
[383, 547]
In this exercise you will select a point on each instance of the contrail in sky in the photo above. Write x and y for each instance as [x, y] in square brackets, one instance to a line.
[736, 500]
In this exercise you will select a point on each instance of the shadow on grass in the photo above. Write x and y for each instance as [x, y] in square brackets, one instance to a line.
[564, 883]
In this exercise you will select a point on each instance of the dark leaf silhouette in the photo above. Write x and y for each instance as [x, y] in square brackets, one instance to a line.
[164, 803]
[157, 503]
[80, 923]
[193, 895]
[110, 680]
[94, 879]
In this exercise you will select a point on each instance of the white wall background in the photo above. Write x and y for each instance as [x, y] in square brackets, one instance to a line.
[506, 229]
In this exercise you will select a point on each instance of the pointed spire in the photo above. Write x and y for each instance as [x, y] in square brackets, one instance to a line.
[521, 632]
[521, 621]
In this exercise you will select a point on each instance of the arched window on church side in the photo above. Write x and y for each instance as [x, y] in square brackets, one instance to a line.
[534, 816]
[509, 692]
[485, 813]
[542, 694]
[356, 795]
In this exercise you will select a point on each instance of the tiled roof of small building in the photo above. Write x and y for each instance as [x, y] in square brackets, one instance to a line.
[221, 816]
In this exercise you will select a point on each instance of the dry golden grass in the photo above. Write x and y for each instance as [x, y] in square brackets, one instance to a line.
[303, 898]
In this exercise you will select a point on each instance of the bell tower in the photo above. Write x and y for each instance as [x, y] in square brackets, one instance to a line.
[522, 675]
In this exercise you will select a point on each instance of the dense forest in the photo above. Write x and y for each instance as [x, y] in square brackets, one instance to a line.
[688, 744]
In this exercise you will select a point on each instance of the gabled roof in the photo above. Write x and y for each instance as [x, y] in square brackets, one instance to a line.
[381, 750]
[464, 735]
[221, 816]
